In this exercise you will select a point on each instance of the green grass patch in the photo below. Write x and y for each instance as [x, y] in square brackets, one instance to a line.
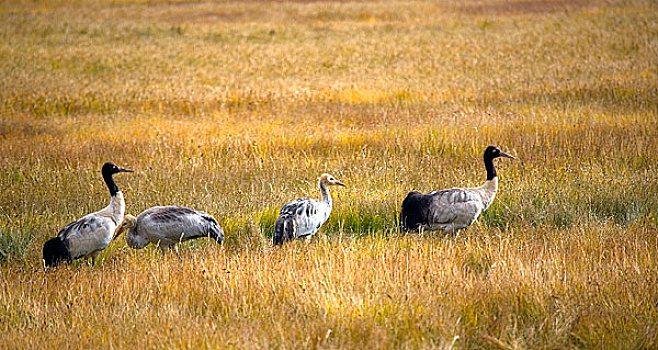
[15, 243]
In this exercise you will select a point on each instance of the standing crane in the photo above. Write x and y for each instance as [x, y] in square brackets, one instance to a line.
[89, 235]
[452, 209]
[303, 217]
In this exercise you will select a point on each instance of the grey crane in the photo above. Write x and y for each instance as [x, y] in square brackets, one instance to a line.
[303, 217]
[166, 226]
[452, 209]
[89, 235]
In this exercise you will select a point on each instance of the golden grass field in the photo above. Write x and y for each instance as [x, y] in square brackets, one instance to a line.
[236, 107]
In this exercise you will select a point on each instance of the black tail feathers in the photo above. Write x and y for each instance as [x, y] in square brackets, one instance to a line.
[414, 211]
[277, 238]
[54, 252]
[284, 230]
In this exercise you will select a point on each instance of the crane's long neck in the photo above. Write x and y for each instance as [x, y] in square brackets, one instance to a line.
[326, 198]
[490, 187]
[117, 205]
[111, 185]
[134, 240]
[488, 191]
[489, 165]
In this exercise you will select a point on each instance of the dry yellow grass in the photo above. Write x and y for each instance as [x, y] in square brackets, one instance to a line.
[517, 289]
[235, 108]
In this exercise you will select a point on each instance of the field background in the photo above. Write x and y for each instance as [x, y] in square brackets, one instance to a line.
[236, 107]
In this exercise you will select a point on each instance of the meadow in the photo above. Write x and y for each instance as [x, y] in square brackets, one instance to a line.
[236, 107]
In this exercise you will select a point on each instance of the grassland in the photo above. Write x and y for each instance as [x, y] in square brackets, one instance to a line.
[236, 108]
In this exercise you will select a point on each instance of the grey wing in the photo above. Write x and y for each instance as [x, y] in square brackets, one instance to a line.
[310, 216]
[299, 218]
[87, 235]
[454, 208]
[286, 226]
[171, 224]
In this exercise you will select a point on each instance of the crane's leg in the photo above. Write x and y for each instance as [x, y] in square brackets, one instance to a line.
[92, 257]
[177, 252]
[163, 249]
[453, 231]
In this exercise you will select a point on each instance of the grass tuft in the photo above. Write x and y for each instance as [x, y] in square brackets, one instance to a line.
[14, 244]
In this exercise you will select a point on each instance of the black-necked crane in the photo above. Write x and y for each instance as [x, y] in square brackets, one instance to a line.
[452, 209]
[167, 226]
[89, 235]
[303, 217]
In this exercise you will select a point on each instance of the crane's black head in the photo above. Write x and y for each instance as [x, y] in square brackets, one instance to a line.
[493, 152]
[490, 154]
[110, 168]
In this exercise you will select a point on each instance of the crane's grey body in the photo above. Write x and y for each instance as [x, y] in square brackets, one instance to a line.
[452, 209]
[303, 217]
[166, 226]
[456, 208]
[91, 234]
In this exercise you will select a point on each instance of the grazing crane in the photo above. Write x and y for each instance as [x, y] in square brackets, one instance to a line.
[453, 209]
[303, 217]
[167, 226]
[89, 235]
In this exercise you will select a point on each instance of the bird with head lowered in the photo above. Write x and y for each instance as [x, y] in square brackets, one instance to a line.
[166, 226]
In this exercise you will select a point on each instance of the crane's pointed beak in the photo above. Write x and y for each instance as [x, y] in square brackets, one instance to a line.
[503, 154]
[339, 184]
[118, 232]
[122, 170]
